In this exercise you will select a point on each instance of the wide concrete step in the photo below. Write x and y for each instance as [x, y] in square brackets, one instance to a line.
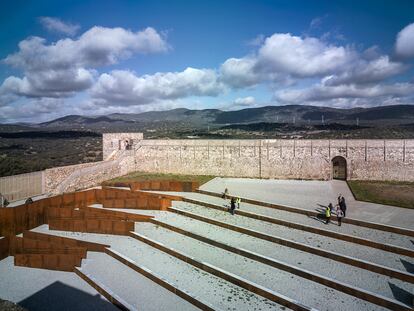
[354, 276]
[131, 289]
[209, 289]
[375, 235]
[345, 248]
[312, 294]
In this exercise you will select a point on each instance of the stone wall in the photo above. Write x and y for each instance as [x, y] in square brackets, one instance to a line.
[294, 159]
[285, 159]
[111, 142]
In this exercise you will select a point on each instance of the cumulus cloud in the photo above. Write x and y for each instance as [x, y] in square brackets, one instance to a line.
[302, 57]
[53, 24]
[67, 66]
[321, 93]
[363, 71]
[240, 72]
[126, 87]
[245, 101]
[404, 46]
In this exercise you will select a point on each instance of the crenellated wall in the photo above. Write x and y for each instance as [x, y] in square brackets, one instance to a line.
[293, 159]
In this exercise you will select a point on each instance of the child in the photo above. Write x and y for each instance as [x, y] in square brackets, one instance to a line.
[328, 213]
[339, 215]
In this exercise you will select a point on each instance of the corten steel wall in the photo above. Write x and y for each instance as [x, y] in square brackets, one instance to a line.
[290, 159]
[22, 186]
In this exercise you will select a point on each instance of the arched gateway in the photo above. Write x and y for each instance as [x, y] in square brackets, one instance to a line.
[339, 168]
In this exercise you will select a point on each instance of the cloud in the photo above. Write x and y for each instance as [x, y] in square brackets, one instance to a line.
[404, 46]
[240, 72]
[53, 24]
[245, 101]
[61, 68]
[323, 93]
[363, 71]
[302, 57]
[125, 87]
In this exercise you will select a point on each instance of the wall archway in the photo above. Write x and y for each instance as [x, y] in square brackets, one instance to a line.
[339, 168]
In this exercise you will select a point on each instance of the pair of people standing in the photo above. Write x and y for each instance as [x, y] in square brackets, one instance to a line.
[340, 210]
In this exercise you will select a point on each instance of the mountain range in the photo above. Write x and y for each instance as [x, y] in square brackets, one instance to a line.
[295, 114]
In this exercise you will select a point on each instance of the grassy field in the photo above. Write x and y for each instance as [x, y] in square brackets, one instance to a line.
[142, 176]
[384, 192]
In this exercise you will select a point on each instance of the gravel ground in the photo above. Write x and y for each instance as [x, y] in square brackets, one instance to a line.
[354, 276]
[216, 291]
[39, 289]
[310, 293]
[315, 240]
[358, 231]
[131, 286]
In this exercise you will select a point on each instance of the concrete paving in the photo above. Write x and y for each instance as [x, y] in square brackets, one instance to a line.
[39, 289]
[308, 194]
[137, 290]
[361, 278]
[349, 229]
[327, 243]
[311, 294]
[219, 293]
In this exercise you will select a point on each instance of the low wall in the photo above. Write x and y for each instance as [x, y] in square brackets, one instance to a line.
[22, 186]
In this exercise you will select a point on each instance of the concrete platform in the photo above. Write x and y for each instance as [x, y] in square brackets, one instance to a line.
[39, 289]
[308, 194]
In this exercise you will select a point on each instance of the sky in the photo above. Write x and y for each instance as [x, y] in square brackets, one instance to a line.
[101, 57]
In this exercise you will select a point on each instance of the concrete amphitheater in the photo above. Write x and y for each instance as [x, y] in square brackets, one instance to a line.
[192, 254]
[169, 245]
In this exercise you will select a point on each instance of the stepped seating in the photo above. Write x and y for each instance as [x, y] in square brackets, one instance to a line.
[263, 257]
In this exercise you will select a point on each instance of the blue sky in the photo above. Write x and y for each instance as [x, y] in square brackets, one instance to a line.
[100, 57]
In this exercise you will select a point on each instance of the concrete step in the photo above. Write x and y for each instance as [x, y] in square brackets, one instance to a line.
[211, 290]
[308, 239]
[129, 289]
[305, 211]
[232, 265]
[321, 265]
[374, 235]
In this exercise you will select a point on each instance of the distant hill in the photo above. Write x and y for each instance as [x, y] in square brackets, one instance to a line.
[297, 114]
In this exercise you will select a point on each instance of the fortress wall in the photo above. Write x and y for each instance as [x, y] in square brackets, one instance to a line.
[295, 159]
[114, 141]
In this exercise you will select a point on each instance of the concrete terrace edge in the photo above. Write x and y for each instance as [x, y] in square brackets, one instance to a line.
[404, 276]
[345, 237]
[353, 221]
[315, 277]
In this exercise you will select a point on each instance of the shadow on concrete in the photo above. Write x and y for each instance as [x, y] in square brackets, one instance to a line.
[59, 296]
[319, 217]
[401, 294]
[408, 266]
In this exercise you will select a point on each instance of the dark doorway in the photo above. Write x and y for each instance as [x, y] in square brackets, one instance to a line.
[339, 168]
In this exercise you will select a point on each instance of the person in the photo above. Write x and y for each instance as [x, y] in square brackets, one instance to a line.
[29, 201]
[342, 205]
[232, 205]
[238, 201]
[328, 213]
[225, 194]
[339, 215]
